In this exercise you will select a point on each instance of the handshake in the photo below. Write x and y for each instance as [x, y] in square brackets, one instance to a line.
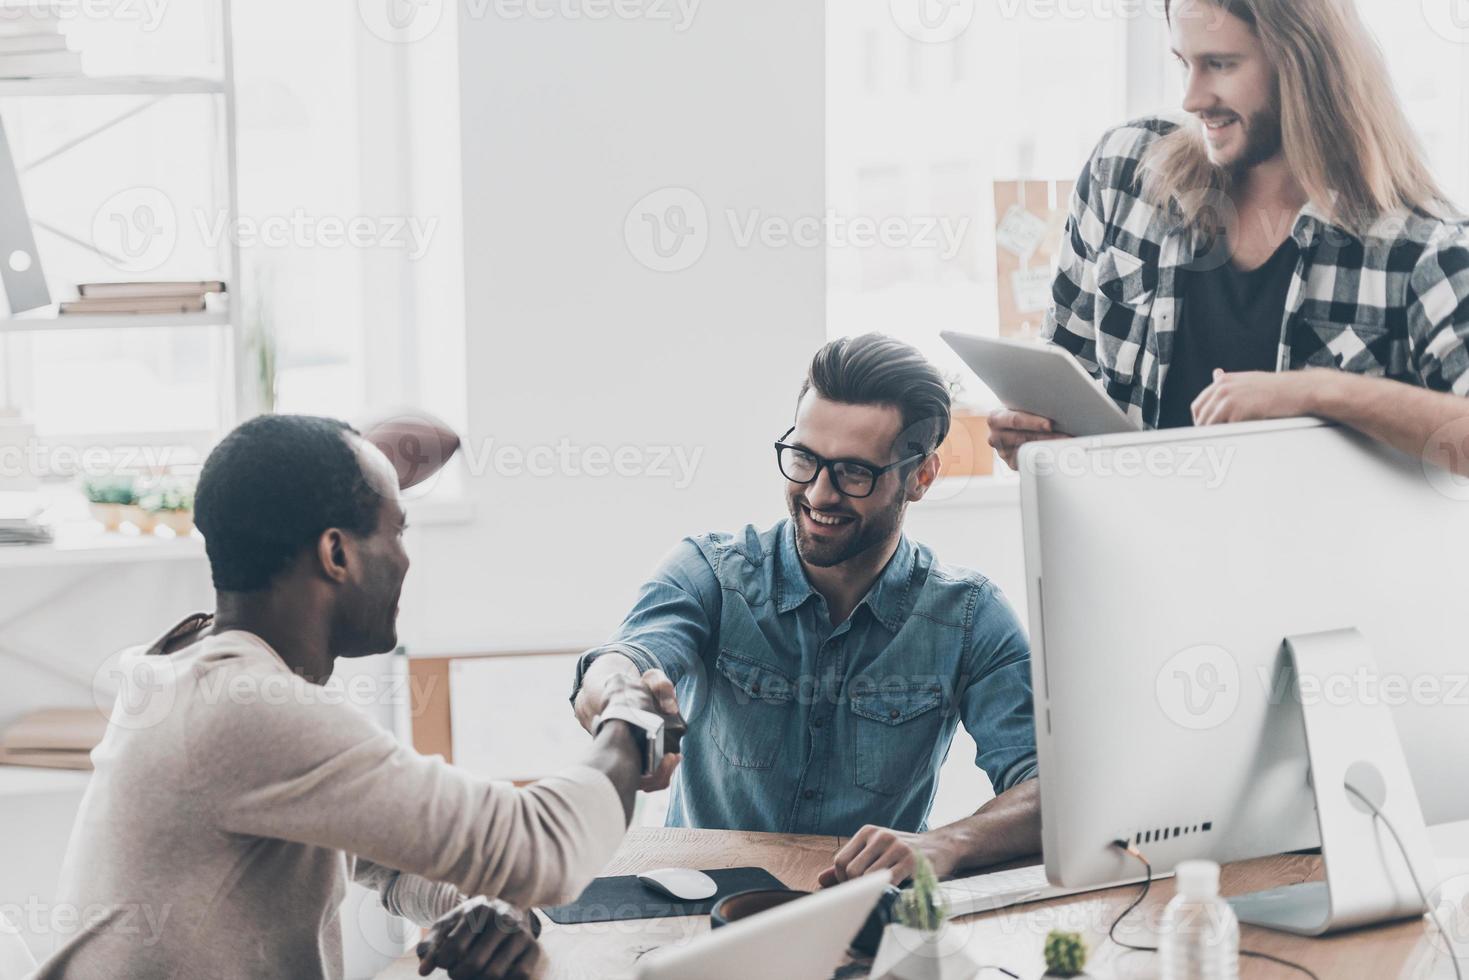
[613, 690]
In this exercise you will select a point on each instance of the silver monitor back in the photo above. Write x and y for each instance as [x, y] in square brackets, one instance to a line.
[1164, 571]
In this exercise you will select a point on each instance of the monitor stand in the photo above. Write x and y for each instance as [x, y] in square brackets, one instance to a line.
[1350, 739]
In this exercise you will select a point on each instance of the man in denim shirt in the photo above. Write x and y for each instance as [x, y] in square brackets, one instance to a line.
[823, 664]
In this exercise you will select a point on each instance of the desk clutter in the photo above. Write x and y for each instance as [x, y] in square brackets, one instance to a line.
[624, 897]
[53, 738]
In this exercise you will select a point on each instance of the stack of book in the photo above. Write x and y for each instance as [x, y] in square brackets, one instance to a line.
[54, 738]
[31, 42]
[142, 297]
[20, 519]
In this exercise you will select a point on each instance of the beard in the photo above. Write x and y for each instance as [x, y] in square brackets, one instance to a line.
[1264, 139]
[856, 537]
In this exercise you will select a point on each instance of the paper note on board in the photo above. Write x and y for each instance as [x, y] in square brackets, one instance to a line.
[1032, 289]
[1021, 232]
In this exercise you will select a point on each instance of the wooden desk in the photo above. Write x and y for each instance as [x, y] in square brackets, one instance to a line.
[1011, 937]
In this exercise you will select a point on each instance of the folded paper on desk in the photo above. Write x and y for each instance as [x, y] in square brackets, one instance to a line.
[624, 897]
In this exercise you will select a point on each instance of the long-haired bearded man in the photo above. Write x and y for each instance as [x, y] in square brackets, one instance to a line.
[1281, 250]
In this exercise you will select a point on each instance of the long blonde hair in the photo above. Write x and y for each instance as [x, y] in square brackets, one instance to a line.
[1343, 131]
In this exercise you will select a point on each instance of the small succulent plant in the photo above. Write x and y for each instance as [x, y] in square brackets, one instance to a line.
[167, 499]
[1065, 954]
[921, 906]
[110, 490]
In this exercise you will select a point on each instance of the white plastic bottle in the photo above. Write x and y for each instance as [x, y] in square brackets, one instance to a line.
[1199, 936]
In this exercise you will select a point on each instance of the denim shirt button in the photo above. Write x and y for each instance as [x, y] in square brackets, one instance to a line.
[810, 794]
[894, 714]
[817, 723]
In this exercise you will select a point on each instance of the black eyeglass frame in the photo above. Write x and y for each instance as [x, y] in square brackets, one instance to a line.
[822, 463]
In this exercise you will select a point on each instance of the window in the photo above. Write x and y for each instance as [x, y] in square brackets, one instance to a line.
[360, 287]
[920, 127]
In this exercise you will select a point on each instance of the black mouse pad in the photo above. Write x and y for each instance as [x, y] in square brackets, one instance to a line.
[624, 897]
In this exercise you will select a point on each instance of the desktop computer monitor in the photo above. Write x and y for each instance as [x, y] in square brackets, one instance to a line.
[1164, 572]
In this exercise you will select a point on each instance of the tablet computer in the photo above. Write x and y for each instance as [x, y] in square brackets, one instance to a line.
[1043, 380]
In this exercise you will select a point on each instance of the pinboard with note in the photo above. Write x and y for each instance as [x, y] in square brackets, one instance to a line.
[1030, 217]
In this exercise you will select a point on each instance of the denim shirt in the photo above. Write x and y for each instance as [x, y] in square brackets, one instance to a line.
[796, 726]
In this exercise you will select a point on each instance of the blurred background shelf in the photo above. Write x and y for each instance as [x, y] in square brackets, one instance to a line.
[47, 319]
[111, 85]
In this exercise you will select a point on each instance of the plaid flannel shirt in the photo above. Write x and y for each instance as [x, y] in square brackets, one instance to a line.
[1393, 303]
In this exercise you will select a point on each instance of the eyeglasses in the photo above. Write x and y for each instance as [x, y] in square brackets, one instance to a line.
[851, 478]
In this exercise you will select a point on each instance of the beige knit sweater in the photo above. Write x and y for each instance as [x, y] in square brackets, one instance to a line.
[233, 800]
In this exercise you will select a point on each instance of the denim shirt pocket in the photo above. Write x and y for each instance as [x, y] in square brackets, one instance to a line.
[892, 729]
[749, 706]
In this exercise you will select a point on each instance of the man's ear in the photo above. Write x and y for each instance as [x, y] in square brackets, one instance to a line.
[331, 554]
[923, 477]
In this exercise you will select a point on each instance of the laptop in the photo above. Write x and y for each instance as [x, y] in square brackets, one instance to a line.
[801, 940]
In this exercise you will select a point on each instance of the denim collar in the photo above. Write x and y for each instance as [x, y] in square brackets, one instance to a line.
[888, 600]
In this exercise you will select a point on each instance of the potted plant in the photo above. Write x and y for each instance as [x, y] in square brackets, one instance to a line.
[966, 451]
[171, 505]
[109, 499]
[1066, 954]
[922, 944]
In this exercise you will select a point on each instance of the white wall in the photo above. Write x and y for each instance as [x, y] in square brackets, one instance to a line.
[566, 125]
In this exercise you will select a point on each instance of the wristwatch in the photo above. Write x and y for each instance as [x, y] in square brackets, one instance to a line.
[649, 725]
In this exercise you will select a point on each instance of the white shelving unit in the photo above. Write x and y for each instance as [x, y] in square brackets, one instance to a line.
[237, 398]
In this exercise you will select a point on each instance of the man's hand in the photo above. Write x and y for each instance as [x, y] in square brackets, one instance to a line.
[1250, 396]
[651, 692]
[876, 848]
[1011, 430]
[483, 940]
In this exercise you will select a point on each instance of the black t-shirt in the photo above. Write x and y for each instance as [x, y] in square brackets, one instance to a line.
[1231, 320]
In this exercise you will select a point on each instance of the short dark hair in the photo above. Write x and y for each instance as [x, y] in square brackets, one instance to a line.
[270, 488]
[875, 369]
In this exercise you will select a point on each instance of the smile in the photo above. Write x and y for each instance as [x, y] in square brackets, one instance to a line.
[825, 520]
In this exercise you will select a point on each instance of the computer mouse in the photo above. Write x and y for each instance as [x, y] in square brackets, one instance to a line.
[682, 884]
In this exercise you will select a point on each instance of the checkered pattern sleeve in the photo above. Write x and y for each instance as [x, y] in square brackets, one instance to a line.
[1071, 321]
[1438, 312]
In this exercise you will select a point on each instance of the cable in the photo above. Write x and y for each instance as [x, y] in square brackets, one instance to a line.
[1422, 896]
[1148, 884]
